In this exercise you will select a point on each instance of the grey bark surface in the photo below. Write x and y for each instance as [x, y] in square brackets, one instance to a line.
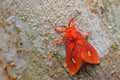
[27, 38]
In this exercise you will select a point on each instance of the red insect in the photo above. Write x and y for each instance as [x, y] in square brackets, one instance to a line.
[77, 48]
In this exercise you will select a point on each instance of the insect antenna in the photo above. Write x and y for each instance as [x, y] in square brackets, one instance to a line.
[76, 15]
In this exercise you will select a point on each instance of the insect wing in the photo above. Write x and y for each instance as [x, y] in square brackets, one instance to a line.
[88, 52]
[73, 58]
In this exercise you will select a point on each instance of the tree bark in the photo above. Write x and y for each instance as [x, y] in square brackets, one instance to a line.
[27, 38]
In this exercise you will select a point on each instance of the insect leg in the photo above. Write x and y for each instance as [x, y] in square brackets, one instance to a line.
[85, 35]
[60, 41]
[59, 30]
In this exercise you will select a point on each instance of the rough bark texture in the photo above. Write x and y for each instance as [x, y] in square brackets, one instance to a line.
[27, 38]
